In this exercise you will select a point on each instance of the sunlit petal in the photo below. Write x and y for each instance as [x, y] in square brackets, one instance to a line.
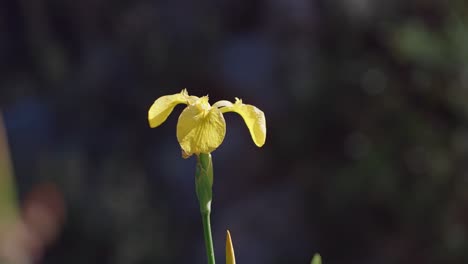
[164, 105]
[201, 128]
[254, 119]
[222, 103]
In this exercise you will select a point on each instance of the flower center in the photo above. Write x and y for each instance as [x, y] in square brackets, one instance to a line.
[203, 106]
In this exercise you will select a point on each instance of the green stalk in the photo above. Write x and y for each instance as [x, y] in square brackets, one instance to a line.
[204, 186]
[208, 238]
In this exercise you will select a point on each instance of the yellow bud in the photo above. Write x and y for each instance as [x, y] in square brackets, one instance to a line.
[230, 257]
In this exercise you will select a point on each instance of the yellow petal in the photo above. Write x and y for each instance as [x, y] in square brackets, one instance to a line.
[164, 105]
[230, 257]
[254, 119]
[201, 128]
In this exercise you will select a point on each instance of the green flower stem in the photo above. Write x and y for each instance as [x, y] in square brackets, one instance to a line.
[208, 238]
[204, 186]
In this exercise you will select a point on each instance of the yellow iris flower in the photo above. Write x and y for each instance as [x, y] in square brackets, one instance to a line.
[201, 127]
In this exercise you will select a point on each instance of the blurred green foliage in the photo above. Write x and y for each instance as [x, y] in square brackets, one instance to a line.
[8, 199]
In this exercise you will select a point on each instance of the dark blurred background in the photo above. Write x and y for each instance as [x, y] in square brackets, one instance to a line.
[366, 159]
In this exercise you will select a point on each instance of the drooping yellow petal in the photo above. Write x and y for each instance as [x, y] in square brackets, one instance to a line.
[254, 119]
[230, 257]
[201, 128]
[164, 105]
